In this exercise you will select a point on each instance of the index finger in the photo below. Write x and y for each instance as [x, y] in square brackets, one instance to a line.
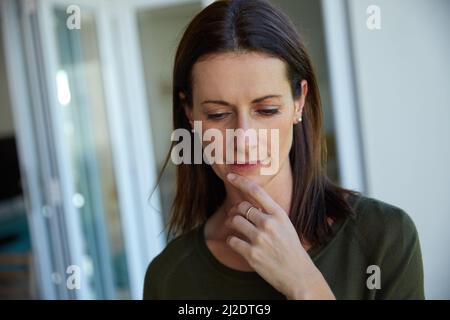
[255, 192]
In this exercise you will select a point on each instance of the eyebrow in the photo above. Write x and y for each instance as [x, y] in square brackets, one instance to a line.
[224, 103]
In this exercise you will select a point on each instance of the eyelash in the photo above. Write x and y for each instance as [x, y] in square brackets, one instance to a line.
[262, 112]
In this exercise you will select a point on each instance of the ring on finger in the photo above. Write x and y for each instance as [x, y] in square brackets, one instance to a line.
[247, 214]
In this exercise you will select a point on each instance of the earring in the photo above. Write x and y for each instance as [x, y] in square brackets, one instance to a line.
[299, 119]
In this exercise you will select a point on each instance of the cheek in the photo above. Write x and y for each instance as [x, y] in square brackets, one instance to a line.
[285, 131]
[286, 140]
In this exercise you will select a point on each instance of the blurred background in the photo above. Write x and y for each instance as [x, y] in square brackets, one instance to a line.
[85, 124]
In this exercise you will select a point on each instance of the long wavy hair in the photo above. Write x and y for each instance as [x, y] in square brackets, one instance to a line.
[255, 26]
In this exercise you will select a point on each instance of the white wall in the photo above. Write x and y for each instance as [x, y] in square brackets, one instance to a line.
[403, 86]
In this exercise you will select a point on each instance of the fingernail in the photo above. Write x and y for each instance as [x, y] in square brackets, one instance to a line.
[231, 176]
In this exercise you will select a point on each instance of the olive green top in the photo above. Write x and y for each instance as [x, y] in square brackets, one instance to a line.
[380, 235]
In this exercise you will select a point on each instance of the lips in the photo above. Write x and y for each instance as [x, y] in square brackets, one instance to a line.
[245, 166]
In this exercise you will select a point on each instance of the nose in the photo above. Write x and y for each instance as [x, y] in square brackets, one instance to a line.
[245, 137]
[243, 121]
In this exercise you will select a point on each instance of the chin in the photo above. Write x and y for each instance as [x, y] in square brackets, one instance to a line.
[249, 172]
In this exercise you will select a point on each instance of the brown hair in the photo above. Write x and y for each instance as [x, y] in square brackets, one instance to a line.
[255, 26]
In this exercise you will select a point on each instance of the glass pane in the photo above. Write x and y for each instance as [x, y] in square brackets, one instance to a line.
[86, 133]
[160, 30]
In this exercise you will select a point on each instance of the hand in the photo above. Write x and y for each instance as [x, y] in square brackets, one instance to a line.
[273, 248]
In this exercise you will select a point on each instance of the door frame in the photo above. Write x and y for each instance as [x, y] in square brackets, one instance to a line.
[344, 95]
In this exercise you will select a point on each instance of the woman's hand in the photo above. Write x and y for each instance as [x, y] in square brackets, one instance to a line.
[273, 248]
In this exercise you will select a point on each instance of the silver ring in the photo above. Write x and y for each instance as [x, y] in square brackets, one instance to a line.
[248, 212]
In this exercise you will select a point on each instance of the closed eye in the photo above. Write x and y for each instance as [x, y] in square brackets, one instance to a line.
[223, 115]
[268, 112]
[217, 116]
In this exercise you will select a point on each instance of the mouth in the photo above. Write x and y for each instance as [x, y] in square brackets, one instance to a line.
[244, 166]
[247, 166]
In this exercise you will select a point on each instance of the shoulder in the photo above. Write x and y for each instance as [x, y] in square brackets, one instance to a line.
[176, 251]
[389, 239]
[379, 217]
[381, 226]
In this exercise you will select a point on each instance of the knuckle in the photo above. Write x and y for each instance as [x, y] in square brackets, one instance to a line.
[242, 207]
[258, 239]
[235, 220]
[253, 254]
[268, 225]
[254, 190]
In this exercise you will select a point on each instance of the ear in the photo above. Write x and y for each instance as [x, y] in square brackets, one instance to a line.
[187, 108]
[299, 102]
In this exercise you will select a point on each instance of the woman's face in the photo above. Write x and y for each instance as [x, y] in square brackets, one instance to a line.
[246, 91]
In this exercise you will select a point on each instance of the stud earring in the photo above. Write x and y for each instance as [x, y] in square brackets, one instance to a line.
[299, 119]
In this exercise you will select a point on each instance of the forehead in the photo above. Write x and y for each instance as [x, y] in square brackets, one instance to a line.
[239, 76]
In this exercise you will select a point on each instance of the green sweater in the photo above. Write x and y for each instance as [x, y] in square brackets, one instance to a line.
[379, 235]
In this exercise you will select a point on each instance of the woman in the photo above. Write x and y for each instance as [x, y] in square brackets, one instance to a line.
[291, 234]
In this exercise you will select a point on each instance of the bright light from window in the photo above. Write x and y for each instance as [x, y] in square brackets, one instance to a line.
[62, 85]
